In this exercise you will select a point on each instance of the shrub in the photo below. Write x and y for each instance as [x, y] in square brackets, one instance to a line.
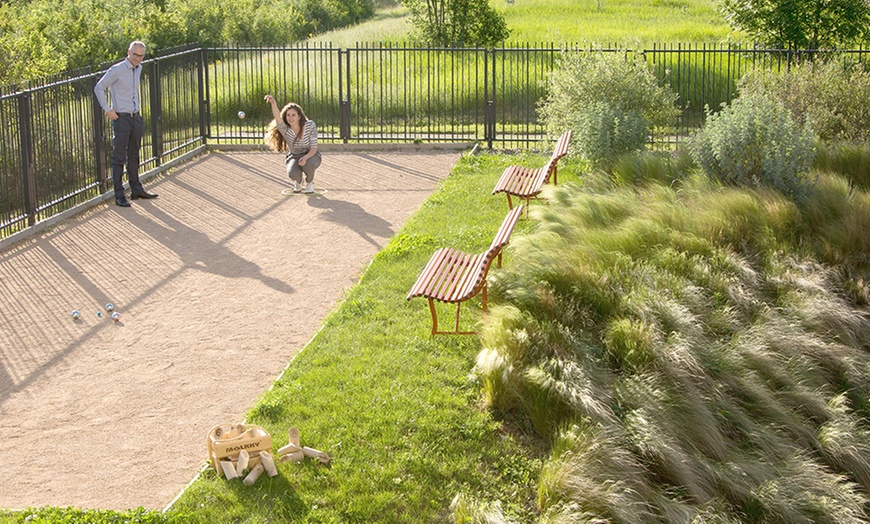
[605, 132]
[612, 103]
[800, 24]
[755, 142]
[332, 14]
[25, 53]
[833, 94]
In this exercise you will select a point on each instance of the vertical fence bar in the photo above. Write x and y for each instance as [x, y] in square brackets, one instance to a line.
[344, 106]
[156, 102]
[99, 141]
[201, 86]
[26, 148]
[349, 86]
[205, 104]
[489, 104]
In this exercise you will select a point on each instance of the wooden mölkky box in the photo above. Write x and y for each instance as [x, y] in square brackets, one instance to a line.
[226, 441]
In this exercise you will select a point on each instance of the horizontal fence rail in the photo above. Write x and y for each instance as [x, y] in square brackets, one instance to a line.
[55, 143]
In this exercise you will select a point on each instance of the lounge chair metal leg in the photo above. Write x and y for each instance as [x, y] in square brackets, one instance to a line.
[456, 327]
[434, 316]
[483, 295]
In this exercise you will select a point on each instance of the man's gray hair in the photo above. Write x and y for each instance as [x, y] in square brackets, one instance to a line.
[136, 43]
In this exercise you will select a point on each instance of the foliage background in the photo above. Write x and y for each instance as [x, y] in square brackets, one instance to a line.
[39, 38]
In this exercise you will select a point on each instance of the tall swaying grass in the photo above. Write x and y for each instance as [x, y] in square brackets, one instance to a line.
[691, 351]
[853, 160]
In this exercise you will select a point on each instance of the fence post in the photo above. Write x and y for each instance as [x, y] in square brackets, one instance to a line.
[156, 113]
[489, 123]
[344, 101]
[489, 98]
[344, 125]
[26, 145]
[99, 139]
[203, 102]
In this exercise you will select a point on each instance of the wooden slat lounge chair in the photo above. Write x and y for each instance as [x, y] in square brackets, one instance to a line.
[526, 183]
[453, 276]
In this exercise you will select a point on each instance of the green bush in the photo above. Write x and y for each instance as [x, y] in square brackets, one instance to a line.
[265, 22]
[613, 103]
[604, 132]
[322, 15]
[755, 142]
[45, 38]
[833, 94]
[24, 52]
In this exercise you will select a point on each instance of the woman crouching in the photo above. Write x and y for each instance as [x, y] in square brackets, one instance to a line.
[293, 133]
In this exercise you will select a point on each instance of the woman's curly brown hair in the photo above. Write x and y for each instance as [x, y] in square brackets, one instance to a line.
[274, 139]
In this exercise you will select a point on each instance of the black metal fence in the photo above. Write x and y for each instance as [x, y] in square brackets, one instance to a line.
[54, 148]
[54, 145]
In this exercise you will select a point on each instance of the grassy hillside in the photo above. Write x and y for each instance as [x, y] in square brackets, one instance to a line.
[627, 22]
[390, 24]
[588, 22]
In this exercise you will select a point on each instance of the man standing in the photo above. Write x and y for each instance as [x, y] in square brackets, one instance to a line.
[122, 83]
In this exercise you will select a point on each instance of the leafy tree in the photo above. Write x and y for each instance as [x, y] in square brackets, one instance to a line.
[457, 23]
[801, 24]
[39, 38]
[25, 52]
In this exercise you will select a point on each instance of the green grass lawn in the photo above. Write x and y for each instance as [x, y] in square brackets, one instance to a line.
[631, 23]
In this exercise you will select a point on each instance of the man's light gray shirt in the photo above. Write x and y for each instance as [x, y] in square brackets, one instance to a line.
[122, 81]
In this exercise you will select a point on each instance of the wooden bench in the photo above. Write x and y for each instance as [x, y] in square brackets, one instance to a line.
[453, 276]
[525, 182]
